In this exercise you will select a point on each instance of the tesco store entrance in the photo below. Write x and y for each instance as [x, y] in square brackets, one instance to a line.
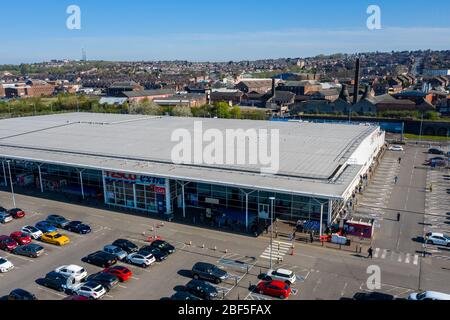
[137, 192]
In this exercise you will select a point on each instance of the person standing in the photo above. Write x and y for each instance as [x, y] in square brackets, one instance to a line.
[370, 252]
[396, 179]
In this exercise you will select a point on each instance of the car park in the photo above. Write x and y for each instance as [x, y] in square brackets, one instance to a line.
[77, 272]
[7, 243]
[29, 250]
[21, 238]
[17, 213]
[5, 217]
[157, 253]
[429, 296]
[107, 280]
[34, 232]
[20, 294]
[126, 245]
[116, 251]
[45, 227]
[76, 298]
[182, 295]
[274, 288]
[78, 227]
[55, 238]
[141, 260]
[57, 281]
[101, 259]
[90, 289]
[5, 265]
[439, 239]
[57, 221]
[396, 148]
[163, 246]
[435, 151]
[202, 290]
[284, 275]
[121, 272]
[209, 272]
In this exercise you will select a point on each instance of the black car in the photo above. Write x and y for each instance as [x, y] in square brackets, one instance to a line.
[159, 254]
[181, 296]
[20, 294]
[202, 289]
[78, 227]
[209, 272]
[56, 281]
[435, 151]
[29, 250]
[101, 259]
[164, 246]
[126, 245]
[107, 280]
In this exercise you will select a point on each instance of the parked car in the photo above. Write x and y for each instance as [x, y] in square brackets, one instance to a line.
[57, 221]
[141, 260]
[78, 227]
[284, 275]
[5, 265]
[157, 253]
[77, 272]
[396, 148]
[45, 227]
[164, 246]
[202, 289]
[107, 280]
[21, 238]
[123, 273]
[34, 232]
[58, 281]
[20, 294]
[29, 250]
[436, 151]
[439, 239]
[429, 296]
[100, 259]
[7, 243]
[5, 217]
[91, 289]
[126, 245]
[3, 210]
[182, 296]
[116, 251]
[210, 272]
[274, 288]
[55, 238]
[17, 213]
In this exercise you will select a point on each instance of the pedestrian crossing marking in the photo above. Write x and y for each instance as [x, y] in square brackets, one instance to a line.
[416, 259]
[408, 258]
[279, 250]
[399, 257]
[377, 251]
[383, 256]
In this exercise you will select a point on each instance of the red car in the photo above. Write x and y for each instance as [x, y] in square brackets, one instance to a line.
[274, 288]
[120, 272]
[21, 238]
[17, 213]
[7, 243]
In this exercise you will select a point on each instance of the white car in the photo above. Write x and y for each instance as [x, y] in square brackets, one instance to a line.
[140, 259]
[91, 289]
[439, 239]
[33, 232]
[5, 265]
[396, 148]
[77, 272]
[284, 275]
[429, 295]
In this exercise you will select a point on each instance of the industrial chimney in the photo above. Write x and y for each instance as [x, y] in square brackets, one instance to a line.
[356, 90]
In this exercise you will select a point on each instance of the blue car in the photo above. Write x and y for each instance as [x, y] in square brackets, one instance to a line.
[45, 227]
[78, 227]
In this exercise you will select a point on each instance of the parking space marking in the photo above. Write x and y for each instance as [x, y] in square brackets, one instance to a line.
[51, 291]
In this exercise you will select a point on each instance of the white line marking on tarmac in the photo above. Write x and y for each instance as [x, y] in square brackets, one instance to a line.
[416, 260]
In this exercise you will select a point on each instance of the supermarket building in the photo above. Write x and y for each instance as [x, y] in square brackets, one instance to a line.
[124, 161]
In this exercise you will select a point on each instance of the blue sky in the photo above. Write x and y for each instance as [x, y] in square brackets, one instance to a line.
[35, 30]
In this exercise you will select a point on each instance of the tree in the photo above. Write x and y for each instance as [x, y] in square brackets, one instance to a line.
[24, 69]
[222, 110]
[181, 111]
[235, 112]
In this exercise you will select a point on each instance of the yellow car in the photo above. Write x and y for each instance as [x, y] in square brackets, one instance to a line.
[55, 238]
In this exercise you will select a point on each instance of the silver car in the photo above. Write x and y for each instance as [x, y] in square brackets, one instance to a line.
[5, 217]
[115, 251]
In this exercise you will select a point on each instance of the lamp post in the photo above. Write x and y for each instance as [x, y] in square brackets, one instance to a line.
[272, 199]
[11, 181]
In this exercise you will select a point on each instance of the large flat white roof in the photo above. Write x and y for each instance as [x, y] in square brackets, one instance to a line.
[310, 154]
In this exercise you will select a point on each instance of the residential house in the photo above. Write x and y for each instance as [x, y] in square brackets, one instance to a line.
[117, 89]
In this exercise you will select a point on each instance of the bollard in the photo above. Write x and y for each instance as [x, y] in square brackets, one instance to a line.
[226, 250]
[215, 248]
[203, 246]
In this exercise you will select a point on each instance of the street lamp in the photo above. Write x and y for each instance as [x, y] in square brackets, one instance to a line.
[272, 199]
[11, 181]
